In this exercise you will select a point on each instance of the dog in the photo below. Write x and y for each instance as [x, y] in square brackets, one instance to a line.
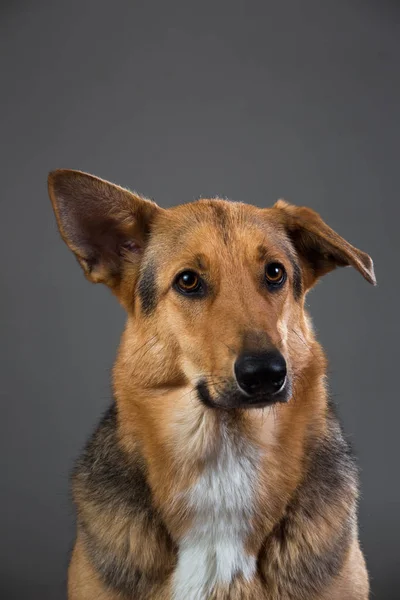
[220, 471]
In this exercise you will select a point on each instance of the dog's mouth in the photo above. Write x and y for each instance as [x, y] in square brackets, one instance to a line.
[231, 396]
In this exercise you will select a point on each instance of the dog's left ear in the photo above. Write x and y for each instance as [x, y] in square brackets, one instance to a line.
[103, 224]
[320, 248]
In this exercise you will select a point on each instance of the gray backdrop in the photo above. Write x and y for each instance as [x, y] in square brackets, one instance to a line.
[250, 100]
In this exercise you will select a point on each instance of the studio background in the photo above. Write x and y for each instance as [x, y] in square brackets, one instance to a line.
[249, 100]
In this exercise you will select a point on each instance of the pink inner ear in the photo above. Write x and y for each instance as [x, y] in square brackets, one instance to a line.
[131, 246]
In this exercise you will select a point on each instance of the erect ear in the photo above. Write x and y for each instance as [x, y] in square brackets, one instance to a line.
[319, 247]
[102, 223]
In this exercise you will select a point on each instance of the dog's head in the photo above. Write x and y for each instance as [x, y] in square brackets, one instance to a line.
[214, 290]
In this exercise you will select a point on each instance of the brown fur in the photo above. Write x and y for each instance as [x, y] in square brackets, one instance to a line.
[159, 437]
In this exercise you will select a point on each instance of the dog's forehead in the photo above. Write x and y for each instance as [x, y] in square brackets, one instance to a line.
[218, 222]
[215, 211]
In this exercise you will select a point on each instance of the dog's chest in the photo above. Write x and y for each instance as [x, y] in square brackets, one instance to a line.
[213, 551]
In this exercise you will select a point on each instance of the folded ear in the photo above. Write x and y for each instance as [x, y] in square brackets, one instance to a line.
[320, 248]
[102, 223]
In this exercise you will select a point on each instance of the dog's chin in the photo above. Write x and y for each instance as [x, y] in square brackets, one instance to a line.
[232, 397]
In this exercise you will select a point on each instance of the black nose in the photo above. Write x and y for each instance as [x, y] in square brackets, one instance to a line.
[260, 372]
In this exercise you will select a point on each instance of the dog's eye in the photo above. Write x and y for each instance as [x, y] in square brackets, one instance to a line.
[275, 274]
[188, 282]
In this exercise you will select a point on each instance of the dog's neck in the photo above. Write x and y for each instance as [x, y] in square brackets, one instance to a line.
[222, 479]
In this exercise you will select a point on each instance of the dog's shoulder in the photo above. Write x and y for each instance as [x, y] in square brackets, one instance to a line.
[122, 531]
[336, 445]
[105, 473]
[330, 466]
[309, 545]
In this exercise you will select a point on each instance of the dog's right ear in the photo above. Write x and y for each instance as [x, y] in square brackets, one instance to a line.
[102, 223]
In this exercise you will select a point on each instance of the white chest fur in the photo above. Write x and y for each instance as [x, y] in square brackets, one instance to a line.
[213, 550]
